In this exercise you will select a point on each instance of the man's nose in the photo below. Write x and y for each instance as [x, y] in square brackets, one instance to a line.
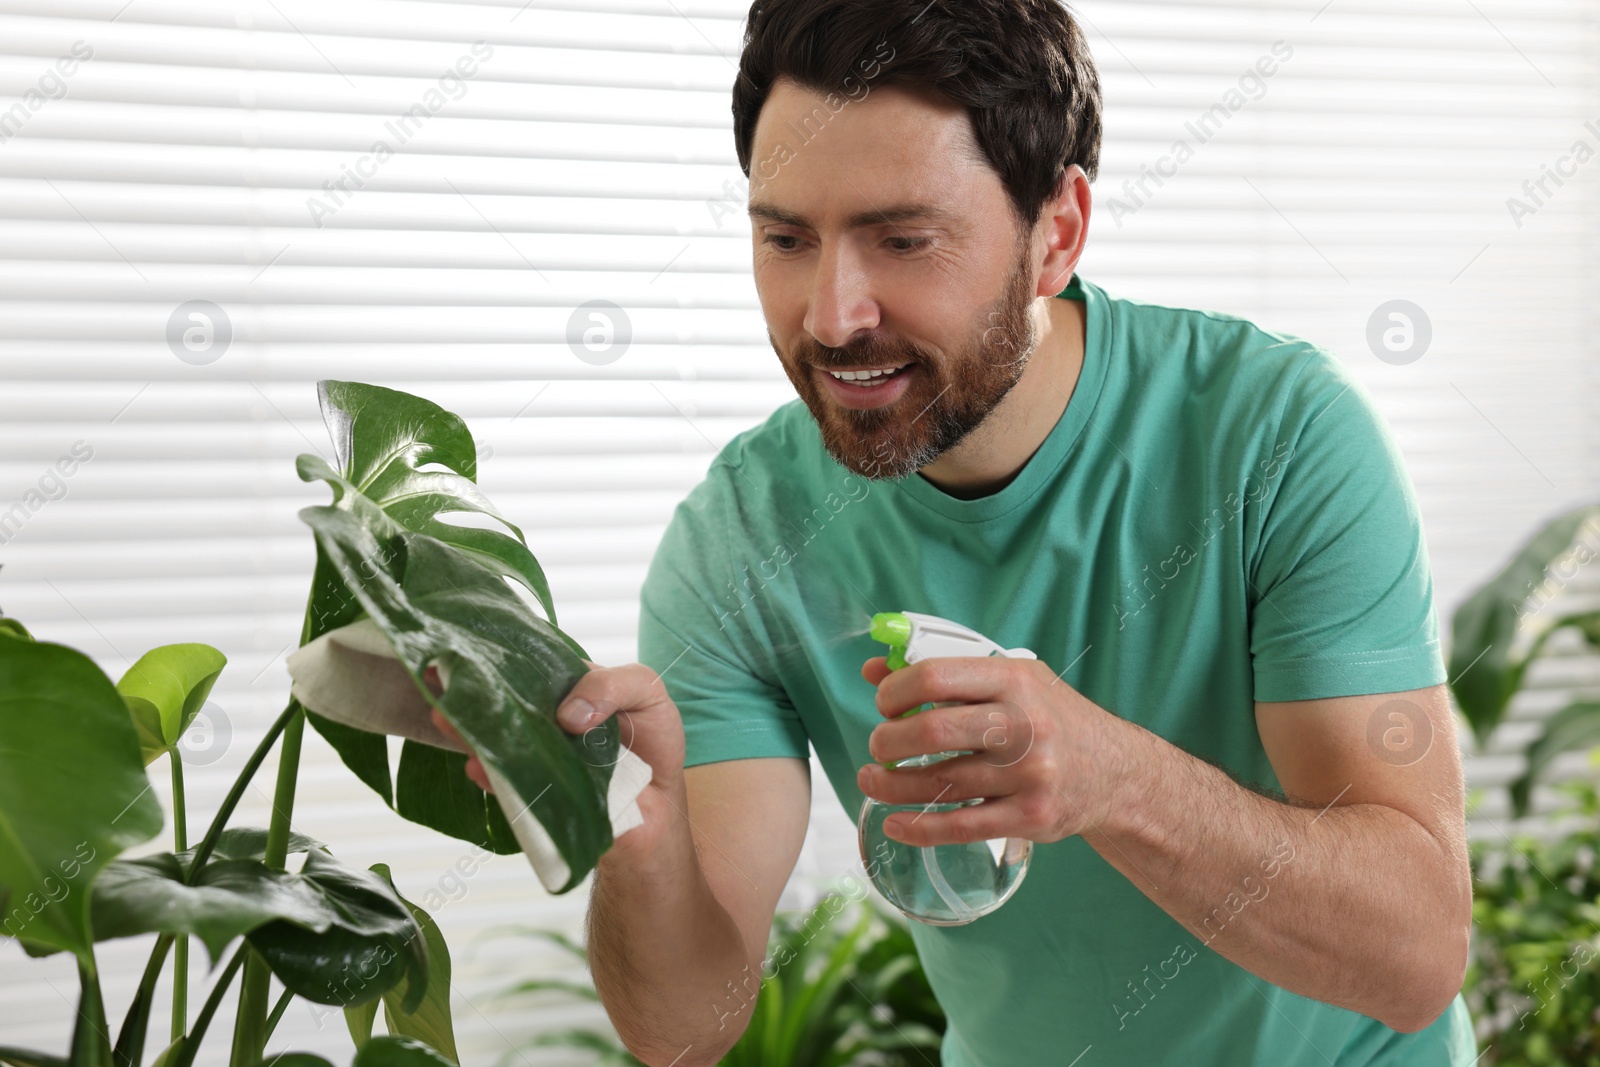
[841, 302]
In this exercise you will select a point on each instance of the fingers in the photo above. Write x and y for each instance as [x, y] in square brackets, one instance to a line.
[982, 822]
[876, 669]
[945, 782]
[966, 679]
[606, 691]
[1002, 728]
[444, 727]
[475, 770]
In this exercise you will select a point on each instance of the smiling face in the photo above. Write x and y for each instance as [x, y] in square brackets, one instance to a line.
[886, 243]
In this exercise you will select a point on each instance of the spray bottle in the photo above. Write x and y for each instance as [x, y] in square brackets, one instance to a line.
[942, 885]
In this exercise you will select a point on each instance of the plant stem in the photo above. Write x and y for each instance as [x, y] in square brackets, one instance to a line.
[231, 801]
[180, 958]
[250, 1026]
[130, 1041]
[250, 1022]
[278, 1010]
[283, 797]
[91, 1041]
[191, 1044]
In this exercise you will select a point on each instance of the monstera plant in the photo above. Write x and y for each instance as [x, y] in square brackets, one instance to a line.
[1502, 629]
[74, 791]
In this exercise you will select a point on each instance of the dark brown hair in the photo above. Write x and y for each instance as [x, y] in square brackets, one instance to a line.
[1021, 68]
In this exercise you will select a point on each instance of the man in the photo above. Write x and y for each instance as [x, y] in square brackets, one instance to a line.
[1235, 753]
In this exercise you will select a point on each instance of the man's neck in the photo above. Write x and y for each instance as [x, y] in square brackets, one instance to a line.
[989, 457]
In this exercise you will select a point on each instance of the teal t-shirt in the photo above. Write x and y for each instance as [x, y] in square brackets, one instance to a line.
[1219, 516]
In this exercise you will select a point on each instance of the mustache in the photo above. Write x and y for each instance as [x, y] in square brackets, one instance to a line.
[873, 352]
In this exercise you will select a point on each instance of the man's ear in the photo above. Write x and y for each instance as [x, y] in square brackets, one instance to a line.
[1064, 228]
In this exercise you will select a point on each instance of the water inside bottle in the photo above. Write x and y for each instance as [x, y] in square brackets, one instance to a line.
[942, 885]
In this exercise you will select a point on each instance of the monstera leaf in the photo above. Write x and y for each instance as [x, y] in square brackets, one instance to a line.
[73, 791]
[507, 671]
[235, 893]
[439, 593]
[373, 946]
[333, 934]
[431, 1022]
[382, 439]
[164, 691]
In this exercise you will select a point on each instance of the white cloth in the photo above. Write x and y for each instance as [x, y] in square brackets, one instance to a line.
[352, 676]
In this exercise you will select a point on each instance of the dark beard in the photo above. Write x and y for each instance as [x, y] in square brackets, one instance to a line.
[945, 402]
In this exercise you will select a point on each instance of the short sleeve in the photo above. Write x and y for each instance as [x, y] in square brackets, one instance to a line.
[1340, 588]
[694, 632]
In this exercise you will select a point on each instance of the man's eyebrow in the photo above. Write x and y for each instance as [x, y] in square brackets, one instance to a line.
[765, 212]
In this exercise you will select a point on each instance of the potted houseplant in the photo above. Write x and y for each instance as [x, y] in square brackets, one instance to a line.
[74, 791]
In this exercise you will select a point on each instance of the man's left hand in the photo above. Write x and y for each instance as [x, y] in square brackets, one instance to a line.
[1047, 761]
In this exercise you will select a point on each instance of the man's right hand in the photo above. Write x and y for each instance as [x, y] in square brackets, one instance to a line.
[647, 721]
[681, 908]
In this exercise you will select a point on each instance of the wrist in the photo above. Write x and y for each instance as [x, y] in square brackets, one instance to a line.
[1129, 788]
[660, 846]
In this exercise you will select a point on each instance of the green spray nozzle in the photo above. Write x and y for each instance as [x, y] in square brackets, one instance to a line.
[935, 638]
[893, 628]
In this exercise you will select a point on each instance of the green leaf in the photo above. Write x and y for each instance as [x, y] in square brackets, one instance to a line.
[235, 893]
[430, 1021]
[1484, 671]
[432, 788]
[581, 990]
[169, 1055]
[21, 1057]
[367, 754]
[605, 1045]
[396, 1051]
[846, 989]
[359, 1019]
[374, 944]
[1573, 727]
[507, 671]
[1588, 625]
[12, 628]
[333, 934]
[382, 440]
[250, 843]
[231, 898]
[164, 690]
[816, 996]
[73, 791]
[567, 944]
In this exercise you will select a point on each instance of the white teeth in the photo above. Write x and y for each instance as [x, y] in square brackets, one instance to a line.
[862, 375]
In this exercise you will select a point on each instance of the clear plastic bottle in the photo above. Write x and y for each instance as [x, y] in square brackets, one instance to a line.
[942, 885]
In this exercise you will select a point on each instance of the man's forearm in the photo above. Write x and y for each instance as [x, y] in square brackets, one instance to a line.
[1357, 906]
[660, 948]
